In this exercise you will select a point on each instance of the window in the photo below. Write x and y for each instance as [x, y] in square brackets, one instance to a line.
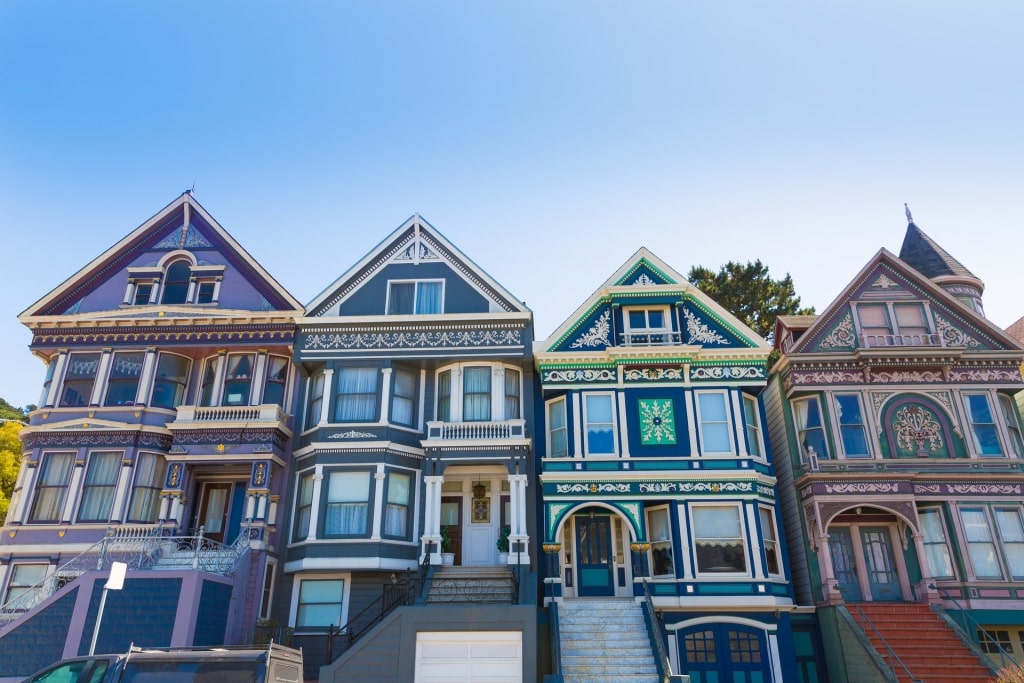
[936, 549]
[305, 507]
[647, 327]
[52, 487]
[143, 293]
[238, 379]
[1012, 424]
[205, 292]
[995, 641]
[171, 380]
[718, 537]
[476, 394]
[558, 432]
[396, 514]
[98, 489]
[277, 378]
[347, 503]
[316, 400]
[1011, 537]
[79, 379]
[851, 426]
[149, 479]
[268, 588]
[752, 418]
[357, 395]
[713, 417]
[659, 531]
[810, 428]
[770, 541]
[894, 324]
[123, 383]
[24, 577]
[983, 425]
[599, 424]
[423, 296]
[176, 282]
[512, 394]
[444, 396]
[403, 400]
[320, 603]
[981, 545]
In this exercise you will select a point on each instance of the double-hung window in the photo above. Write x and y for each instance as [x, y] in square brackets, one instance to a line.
[277, 379]
[810, 427]
[123, 381]
[659, 531]
[851, 426]
[647, 327]
[983, 425]
[415, 296]
[713, 418]
[770, 540]
[599, 424]
[403, 398]
[304, 508]
[79, 379]
[558, 432]
[150, 470]
[444, 396]
[171, 380]
[320, 603]
[396, 513]
[1011, 537]
[894, 324]
[176, 282]
[357, 395]
[23, 578]
[718, 538]
[316, 400]
[981, 544]
[1012, 424]
[479, 393]
[936, 547]
[752, 420]
[98, 488]
[238, 379]
[52, 487]
[512, 394]
[476, 394]
[347, 503]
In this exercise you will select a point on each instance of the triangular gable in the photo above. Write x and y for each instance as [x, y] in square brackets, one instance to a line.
[703, 321]
[414, 242]
[886, 278]
[181, 225]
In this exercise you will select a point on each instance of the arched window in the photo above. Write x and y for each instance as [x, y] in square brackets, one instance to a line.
[176, 282]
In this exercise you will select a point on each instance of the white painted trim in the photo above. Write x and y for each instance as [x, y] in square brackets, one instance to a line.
[293, 608]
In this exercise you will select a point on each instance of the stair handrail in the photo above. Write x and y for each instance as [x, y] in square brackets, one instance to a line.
[555, 638]
[657, 638]
[972, 639]
[893, 657]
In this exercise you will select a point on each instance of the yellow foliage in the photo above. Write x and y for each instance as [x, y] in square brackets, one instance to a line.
[10, 462]
[1011, 674]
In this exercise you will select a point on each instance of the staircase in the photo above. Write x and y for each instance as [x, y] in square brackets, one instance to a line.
[927, 647]
[605, 640]
[472, 585]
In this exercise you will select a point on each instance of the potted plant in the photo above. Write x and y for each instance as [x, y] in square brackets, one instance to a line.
[447, 556]
[502, 544]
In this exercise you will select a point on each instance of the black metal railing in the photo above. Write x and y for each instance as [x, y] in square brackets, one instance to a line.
[656, 636]
[889, 657]
[981, 642]
[555, 641]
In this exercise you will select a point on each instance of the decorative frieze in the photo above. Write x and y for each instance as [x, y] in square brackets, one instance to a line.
[164, 335]
[599, 334]
[654, 374]
[961, 489]
[837, 374]
[717, 372]
[801, 377]
[973, 375]
[862, 487]
[425, 339]
[651, 487]
[96, 438]
[579, 375]
[352, 434]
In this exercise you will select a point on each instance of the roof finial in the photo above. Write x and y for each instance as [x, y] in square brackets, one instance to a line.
[910, 218]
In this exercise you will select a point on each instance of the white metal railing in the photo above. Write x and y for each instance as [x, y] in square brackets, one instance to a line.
[922, 339]
[650, 338]
[476, 431]
[270, 412]
[140, 547]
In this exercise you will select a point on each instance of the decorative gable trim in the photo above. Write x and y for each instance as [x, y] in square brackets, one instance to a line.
[639, 275]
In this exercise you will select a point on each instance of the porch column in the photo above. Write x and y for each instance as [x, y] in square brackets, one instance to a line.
[431, 538]
[518, 534]
[553, 578]
[830, 587]
[924, 592]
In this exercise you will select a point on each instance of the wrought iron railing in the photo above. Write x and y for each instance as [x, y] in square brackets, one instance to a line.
[981, 642]
[656, 636]
[146, 547]
[889, 657]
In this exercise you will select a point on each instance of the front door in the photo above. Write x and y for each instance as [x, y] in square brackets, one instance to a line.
[451, 524]
[720, 653]
[844, 567]
[594, 556]
[214, 505]
[883, 580]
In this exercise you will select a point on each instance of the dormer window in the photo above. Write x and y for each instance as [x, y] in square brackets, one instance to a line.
[903, 323]
[176, 283]
[142, 294]
[408, 297]
[647, 327]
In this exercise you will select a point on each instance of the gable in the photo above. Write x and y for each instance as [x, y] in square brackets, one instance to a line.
[644, 273]
[182, 232]
[418, 256]
[885, 292]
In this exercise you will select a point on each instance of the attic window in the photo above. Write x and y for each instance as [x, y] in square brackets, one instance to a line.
[407, 297]
[176, 282]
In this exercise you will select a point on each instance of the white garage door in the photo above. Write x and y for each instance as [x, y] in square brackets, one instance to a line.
[469, 657]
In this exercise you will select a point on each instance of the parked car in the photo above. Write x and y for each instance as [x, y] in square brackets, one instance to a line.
[273, 664]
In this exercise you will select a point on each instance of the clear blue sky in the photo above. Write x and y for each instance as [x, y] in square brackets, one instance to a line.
[549, 140]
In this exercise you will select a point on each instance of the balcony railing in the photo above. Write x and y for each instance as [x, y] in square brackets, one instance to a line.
[650, 338]
[263, 413]
[886, 340]
[476, 431]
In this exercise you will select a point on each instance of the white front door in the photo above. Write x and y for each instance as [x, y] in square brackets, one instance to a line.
[481, 532]
[469, 657]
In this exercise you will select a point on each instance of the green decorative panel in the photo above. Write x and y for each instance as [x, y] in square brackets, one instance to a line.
[657, 422]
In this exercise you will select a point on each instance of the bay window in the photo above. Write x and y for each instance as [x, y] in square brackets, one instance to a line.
[936, 547]
[403, 398]
[304, 507]
[713, 419]
[277, 380]
[98, 487]
[357, 395]
[52, 487]
[659, 531]
[347, 503]
[123, 381]
[599, 424]
[752, 418]
[479, 393]
[171, 380]
[981, 545]
[79, 379]
[396, 513]
[718, 539]
[316, 400]
[1012, 420]
[770, 540]
[238, 379]
[476, 394]
[558, 433]
[512, 394]
[150, 470]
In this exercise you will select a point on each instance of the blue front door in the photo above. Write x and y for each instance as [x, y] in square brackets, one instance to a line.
[883, 579]
[844, 568]
[724, 653]
[594, 556]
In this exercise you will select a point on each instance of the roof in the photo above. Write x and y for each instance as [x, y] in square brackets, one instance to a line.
[797, 322]
[1016, 330]
[924, 255]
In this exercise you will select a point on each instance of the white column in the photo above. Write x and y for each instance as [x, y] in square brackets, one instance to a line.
[517, 495]
[623, 436]
[259, 378]
[121, 492]
[22, 492]
[325, 401]
[739, 424]
[691, 420]
[146, 377]
[74, 491]
[378, 501]
[498, 394]
[385, 396]
[99, 382]
[455, 398]
[432, 515]
[314, 513]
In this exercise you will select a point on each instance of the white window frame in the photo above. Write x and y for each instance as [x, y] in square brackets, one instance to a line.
[157, 379]
[12, 570]
[1008, 409]
[326, 504]
[730, 431]
[38, 485]
[416, 294]
[293, 610]
[773, 540]
[138, 487]
[694, 538]
[298, 536]
[386, 503]
[457, 392]
[267, 588]
[96, 379]
[993, 540]
[666, 542]
[314, 400]
[895, 336]
[942, 543]
[839, 424]
[586, 424]
[973, 425]
[752, 409]
[800, 429]
[549, 406]
[87, 488]
[647, 333]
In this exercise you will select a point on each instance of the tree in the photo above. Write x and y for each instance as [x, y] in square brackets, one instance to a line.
[10, 462]
[749, 292]
[9, 412]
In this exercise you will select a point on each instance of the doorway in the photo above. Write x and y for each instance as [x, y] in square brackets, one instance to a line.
[725, 652]
[451, 525]
[865, 564]
[594, 571]
[219, 511]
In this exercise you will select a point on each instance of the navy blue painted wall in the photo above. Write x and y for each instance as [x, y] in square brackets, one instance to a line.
[214, 605]
[39, 641]
[142, 613]
[459, 296]
[682, 445]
